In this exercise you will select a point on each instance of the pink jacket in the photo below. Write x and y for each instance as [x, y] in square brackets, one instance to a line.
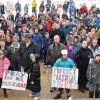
[4, 67]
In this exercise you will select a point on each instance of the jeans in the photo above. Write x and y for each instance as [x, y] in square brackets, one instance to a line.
[36, 94]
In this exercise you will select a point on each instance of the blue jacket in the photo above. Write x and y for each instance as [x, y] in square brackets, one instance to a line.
[47, 43]
[38, 39]
[67, 63]
[72, 9]
[97, 21]
[65, 7]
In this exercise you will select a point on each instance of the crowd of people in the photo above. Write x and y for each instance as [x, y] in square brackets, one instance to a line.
[70, 40]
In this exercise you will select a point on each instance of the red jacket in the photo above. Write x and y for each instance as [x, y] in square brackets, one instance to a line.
[83, 10]
[49, 25]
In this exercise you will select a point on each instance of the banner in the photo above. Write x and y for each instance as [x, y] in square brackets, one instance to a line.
[14, 80]
[10, 6]
[65, 78]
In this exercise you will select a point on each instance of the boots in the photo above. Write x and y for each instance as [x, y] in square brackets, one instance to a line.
[58, 96]
[5, 93]
[91, 94]
[97, 94]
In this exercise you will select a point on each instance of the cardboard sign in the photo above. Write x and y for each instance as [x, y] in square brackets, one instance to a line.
[14, 80]
[65, 78]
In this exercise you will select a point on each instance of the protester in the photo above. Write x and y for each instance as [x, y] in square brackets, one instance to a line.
[73, 26]
[93, 73]
[4, 65]
[34, 6]
[29, 53]
[64, 62]
[13, 54]
[47, 42]
[82, 58]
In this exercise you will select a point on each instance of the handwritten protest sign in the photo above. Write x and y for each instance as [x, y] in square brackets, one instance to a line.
[65, 78]
[14, 80]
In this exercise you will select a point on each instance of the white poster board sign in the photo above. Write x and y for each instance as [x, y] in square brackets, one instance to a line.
[65, 78]
[14, 80]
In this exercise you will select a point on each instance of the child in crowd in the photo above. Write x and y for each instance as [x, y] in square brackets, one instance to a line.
[47, 42]
[93, 75]
[4, 65]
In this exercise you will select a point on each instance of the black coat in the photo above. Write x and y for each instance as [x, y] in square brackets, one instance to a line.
[82, 58]
[25, 52]
[34, 79]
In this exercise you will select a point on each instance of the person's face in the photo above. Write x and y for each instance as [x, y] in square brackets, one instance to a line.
[40, 26]
[36, 30]
[64, 56]
[8, 38]
[47, 36]
[75, 40]
[27, 40]
[94, 43]
[93, 30]
[97, 58]
[74, 29]
[84, 44]
[19, 29]
[1, 55]
[56, 40]
[15, 41]
[70, 48]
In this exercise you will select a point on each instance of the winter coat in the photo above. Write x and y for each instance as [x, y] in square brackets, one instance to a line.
[49, 25]
[5, 66]
[34, 79]
[48, 5]
[71, 55]
[42, 32]
[13, 55]
[2, 9]
[83, 10]
[94, 50]
[65, 7]
[18, 7]
[76, 47]
[26, 8]
[41, 8]
[93, 75]
[38, 39]
[47, 43]
[54, 53]
[34, 5]
[25, 52]
[67, 63]
[97, 21]
[72, 9]
[82, 58]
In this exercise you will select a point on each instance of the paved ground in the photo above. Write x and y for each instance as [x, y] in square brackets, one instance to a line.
[45, 93]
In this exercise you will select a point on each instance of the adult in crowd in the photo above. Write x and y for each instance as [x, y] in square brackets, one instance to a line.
[29, 53]
[54, 52]
[82, 58]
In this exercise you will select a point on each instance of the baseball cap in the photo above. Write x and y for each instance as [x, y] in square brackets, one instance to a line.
[64, 51]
